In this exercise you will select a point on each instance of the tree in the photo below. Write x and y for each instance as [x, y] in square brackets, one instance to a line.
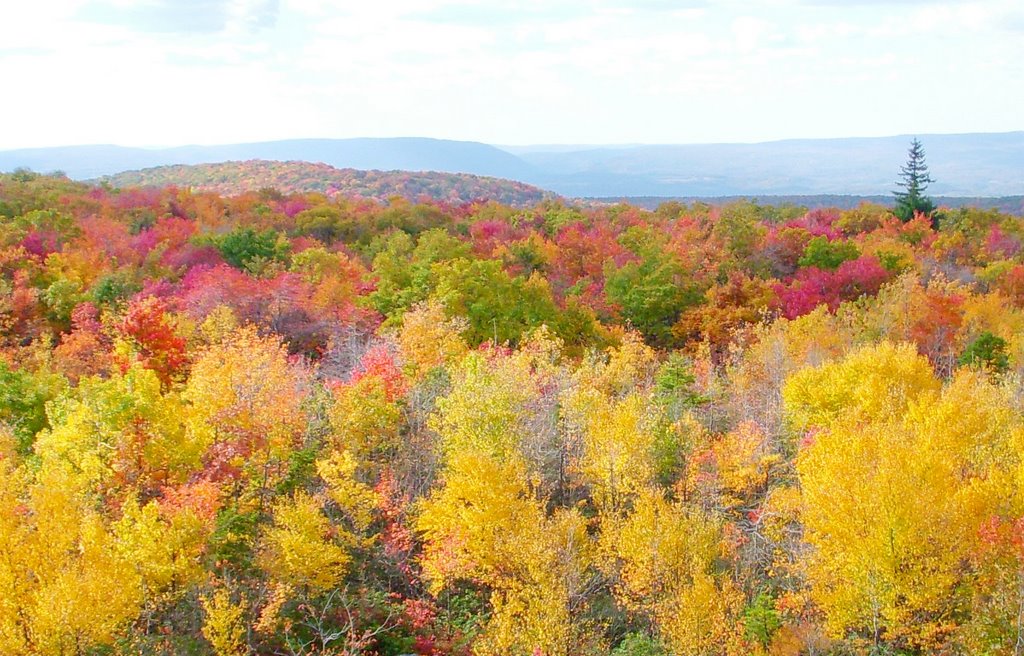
[824, 253]
[652, 290]
[986, 350]
[245, 411]
[498, 306]
[150, 338]
[897, 478]
[914, 180]
[298, 549]
[242, 246]
[664, 557]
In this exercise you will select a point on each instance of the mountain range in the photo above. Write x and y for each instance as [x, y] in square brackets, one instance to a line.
[976, 165]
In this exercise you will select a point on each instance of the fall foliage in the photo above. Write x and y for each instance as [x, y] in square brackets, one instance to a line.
[308, 423]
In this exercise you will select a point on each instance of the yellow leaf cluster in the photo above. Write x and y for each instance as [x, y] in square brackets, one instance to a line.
[526, 619]
[618, 443]
[744, 461]
[218, 326]
[872, 383]
[363, 418]
[429, 338]
[299, 550]
[471, 525]
[623, 368]
[484, 525]
[122, 428]
[65, 584]
[224, 625]
[657, 546]
[354, 498]
[700, 619]
[483, 411]
[244, 388]
[664, 557]
[532, 602]
[164, 552]
[896, 486]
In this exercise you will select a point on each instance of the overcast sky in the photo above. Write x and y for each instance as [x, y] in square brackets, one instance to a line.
[172, 72]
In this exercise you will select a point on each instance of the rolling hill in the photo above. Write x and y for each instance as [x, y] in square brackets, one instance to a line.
[231, 178]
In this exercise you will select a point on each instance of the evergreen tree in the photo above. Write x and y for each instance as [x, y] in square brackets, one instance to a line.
[914, 179]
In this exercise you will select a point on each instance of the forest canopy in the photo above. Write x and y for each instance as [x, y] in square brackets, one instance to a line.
[287, 423]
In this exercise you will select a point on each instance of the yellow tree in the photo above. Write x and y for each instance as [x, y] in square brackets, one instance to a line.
[429, 339]
[618, 450]
[163, 543]
[896, 481]
[364, 417]
[245, 407]
[298, 550]
[486, 524]
[736, 469]
[122, 434]
[224, 625]
[664, 558]
[72, 579]
[485, 409]
[609, 422]
[66, 586]
[307, 552]
[997, 593]
[871, 384]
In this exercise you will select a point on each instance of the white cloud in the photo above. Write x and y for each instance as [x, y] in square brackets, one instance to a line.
[750, 32]
[522, 71]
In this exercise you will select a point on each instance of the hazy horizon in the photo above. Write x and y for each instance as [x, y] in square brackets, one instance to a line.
[517, 146]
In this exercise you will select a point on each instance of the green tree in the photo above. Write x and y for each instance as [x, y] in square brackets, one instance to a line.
[987, 350]
[825, 254]
[914, 180]
[497, 305]
[242, 246]
[404, 272]
[654, 290]
[23, 399]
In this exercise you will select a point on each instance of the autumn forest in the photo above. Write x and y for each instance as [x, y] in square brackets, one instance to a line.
[286, 423]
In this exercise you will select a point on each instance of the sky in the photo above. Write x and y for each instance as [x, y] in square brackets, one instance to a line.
[514, 72]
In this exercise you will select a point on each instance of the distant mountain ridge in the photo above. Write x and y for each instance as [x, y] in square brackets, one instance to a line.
[1008, 204]
[968, 165]
[972, 165]
[406, 154]
[232, 178]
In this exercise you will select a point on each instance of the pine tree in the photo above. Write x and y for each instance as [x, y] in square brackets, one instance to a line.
[914, 179]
